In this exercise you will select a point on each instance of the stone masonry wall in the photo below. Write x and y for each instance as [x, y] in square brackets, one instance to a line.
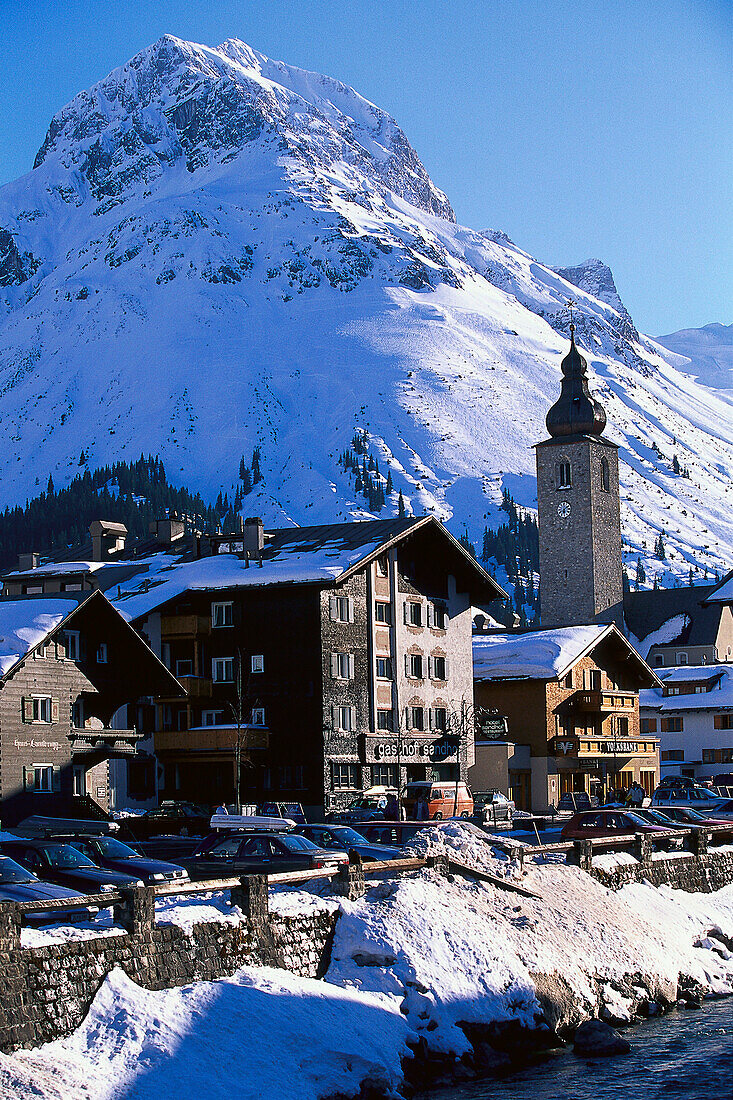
[45, 992]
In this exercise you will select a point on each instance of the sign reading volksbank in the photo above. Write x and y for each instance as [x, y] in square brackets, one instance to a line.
[411, 749]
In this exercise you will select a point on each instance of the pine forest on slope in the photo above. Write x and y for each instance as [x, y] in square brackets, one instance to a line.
[216, 252]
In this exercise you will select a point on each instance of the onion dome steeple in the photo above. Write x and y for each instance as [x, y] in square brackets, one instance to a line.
[575, 412]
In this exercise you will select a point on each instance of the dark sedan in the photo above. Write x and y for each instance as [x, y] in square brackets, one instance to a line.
[168, 819]
[107, 851]
[685, 815]
[259, 853]
[19, 884]
[603, 823]
[341, 837]
[55, 862]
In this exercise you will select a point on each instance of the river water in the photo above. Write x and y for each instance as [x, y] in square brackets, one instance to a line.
[685, 1055]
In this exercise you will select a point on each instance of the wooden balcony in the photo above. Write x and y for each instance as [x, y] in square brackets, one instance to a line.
[604, 702]
[107, 741]
[213, 739]
[184, 626]
[195, 687]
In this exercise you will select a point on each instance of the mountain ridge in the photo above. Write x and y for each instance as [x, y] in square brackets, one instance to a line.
[218, 252]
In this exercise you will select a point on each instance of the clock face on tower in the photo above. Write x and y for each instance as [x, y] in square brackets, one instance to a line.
[563, 510]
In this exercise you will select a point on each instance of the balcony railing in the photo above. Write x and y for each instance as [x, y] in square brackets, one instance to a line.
[184, 626]
[601, 701]
[210, 739]
[112, 742]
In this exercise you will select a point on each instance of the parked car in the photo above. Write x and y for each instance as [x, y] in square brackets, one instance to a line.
[442, 798]
[685, 815]
[492, 808]
[375, 804]
[723, 810]
[603, 823]
[393, 833]
[17, 883]
[254, 853]
[700, 798]
[574, 802]
[341, 837]
[107, 851]
[64, 865]
[168, 819]
[676, 781]
[657, 817]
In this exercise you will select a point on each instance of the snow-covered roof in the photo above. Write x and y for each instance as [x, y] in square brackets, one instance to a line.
[719, 697]
[26, 621]
[667, 633]
[724, 592]
[63, 567]
[537, 655]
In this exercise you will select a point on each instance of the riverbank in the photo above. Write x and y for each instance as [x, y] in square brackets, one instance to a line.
[430, 979]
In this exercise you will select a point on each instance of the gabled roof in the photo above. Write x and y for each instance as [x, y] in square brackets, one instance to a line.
[547, 654]
[723, 591]
[719, 679]
[327, 555]
[647, 612]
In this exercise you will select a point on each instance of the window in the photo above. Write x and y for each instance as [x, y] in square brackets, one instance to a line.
[342, 609]
[647, 725]
[384, 668]
[605, 477]
[41, 651]
[438, 616]
[681, 658]
[345, 777]
[40, 708]
[211, 717]
[413, 613]
[222, 614]
[257, 663]
[723, 722]
[222, 670]
[414, 666]
[671, 691]
[385, 720]
[299, 777]
[184, 667]
[564, 477]
[569, 679]
[102, 653]
[439, 716]
[439, 668]
[342, 666]
[71, 639]
[384, 775]
[667, 755]
[258, 716]
[43, 778]
[671, 725]
[415, 718]
[345, 718]
[659, 660]
[382, 565]
[622, 727]
[285, 776]
[708, 756]
[382, 612]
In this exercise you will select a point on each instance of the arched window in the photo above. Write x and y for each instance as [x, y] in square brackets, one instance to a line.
[605, 476]
[564, 478]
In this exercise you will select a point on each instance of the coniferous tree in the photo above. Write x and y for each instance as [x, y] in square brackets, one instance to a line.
[246, 482]
[400, 505]
[256, 471]
[242, 468]
[390, 486]
[640, 574]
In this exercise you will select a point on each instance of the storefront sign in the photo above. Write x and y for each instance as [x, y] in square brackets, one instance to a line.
[619, 746]
[36, 743]
[414, 750]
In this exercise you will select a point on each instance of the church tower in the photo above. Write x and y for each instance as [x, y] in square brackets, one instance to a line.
[578, 506]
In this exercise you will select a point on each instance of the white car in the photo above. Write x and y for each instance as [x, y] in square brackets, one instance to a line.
[699, 798]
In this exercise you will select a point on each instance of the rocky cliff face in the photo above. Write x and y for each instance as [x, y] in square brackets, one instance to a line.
[216, 251]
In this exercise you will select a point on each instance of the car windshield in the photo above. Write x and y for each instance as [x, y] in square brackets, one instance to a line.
[655, 815]
[636, 819]
[691, 815]
[297, 843]
[114, 849]
[64, 856]
[10, 871]
[342, 835]
[368, 802]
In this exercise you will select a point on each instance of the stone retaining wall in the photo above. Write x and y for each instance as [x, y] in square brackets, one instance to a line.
[700, 871]
[45, 992]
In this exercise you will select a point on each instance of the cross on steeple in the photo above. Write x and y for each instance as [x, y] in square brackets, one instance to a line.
[571, 304]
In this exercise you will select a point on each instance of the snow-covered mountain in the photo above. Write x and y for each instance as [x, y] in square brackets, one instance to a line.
[215, 251]
[709, 350]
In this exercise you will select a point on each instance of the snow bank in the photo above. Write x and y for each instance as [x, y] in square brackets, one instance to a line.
[261, 1033]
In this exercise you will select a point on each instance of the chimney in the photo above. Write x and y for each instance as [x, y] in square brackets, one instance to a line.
[107, 538]
[28, 561]
[168, 530]
[254, 537]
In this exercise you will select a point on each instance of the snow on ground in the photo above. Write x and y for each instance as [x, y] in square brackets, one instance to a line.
[259, 1034]
[418, 955]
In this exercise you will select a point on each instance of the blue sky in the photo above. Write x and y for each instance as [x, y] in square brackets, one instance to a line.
[580, 129]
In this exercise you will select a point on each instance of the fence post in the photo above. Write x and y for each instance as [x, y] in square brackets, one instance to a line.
[136, 911]
[251, 896]
[440, 864]
[642, 848]
[581, 854]
[699, 841]
[349, 882]
[9, 927]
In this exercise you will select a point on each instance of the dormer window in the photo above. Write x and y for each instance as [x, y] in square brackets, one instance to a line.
[564, 476]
